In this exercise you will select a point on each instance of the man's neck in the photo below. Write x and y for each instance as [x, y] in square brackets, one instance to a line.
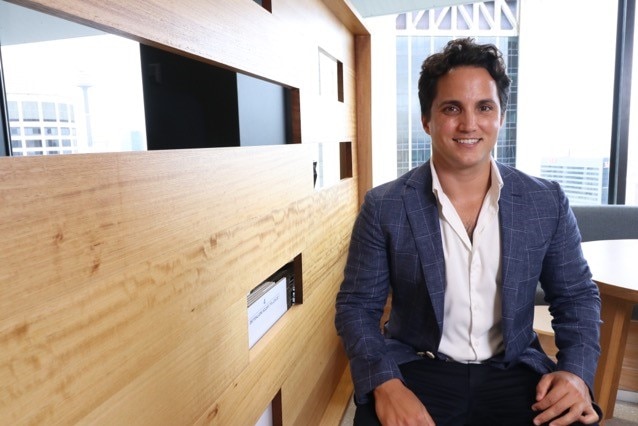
[465, 185]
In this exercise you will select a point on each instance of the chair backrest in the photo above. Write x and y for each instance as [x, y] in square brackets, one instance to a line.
[607, 222]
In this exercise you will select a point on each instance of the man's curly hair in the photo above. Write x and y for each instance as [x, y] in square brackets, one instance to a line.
[459, 53]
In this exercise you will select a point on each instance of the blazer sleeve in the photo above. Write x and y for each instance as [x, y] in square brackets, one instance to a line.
[360, 303]
[573, 298]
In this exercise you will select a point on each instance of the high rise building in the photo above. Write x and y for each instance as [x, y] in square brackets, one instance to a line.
[41, 125]
[584, 180]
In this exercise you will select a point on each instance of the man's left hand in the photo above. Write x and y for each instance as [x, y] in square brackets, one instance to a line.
[563, 398]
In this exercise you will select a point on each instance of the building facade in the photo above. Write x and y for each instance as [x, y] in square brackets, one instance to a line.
[584, 180]
[41, 125]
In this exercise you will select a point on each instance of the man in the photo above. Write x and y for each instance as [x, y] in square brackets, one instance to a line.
[462, 242]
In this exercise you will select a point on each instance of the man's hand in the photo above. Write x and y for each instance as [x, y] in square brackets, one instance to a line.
[395, 404]
[564, 397]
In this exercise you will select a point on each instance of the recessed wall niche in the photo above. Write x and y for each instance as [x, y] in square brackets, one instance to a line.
[330, 76]
[332, 162]
[273, 297]
[193, 104]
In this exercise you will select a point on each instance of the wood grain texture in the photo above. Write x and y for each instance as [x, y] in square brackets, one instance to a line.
[629, 374]
[364, 116]
[124, 276]
[334, 412]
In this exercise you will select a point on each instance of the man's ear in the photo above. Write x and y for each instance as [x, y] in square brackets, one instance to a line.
[425, 124]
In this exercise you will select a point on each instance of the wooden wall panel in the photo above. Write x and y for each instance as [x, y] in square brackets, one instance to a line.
[168, 281]
[364, 115]
[123, 276]
[133, 199]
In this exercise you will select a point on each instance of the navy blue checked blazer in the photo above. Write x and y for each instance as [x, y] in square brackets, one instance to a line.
[396, 244]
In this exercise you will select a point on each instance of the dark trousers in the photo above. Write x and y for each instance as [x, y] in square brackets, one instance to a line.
[466, 394]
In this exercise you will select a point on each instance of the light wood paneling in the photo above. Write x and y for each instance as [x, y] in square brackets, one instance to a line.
[124, 276]
[364, 116]
[129, 206]
[334, 413]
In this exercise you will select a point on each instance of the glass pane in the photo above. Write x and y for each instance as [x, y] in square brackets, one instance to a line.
[66, 80]
[565, 95]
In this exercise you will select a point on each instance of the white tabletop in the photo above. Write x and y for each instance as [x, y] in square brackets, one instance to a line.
[614, 266]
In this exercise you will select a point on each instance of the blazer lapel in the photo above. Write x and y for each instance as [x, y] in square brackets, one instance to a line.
[423, 216]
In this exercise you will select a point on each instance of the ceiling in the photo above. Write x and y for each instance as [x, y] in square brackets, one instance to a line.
[368, 8]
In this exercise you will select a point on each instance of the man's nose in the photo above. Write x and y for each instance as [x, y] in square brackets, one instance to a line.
[468, 121]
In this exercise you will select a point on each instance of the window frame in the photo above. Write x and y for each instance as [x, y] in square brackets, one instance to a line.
[619, 149]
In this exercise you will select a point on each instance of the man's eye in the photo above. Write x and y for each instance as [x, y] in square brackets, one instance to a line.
[486, 108]
[451, 109]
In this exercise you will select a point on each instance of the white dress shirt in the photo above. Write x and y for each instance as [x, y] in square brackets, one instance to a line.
[472, 313]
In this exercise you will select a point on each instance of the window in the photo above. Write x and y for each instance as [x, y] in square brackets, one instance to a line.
[30, 131]
[12, 107]
[48, 111]
[95, 73]
[64, 113]
[30, 111]
[559, 123]
[560, 119]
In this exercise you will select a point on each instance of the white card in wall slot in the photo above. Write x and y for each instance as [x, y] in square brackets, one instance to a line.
[266, 304]
[266, 418]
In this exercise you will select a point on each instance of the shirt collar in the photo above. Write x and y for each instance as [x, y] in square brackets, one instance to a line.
[495, 187]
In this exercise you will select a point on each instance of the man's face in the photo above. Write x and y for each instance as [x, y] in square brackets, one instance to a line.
[464, 120]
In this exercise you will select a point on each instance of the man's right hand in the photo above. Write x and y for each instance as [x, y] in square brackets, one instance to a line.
[395, 404]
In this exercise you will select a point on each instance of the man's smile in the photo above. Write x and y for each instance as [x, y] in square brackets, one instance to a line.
[467, 141]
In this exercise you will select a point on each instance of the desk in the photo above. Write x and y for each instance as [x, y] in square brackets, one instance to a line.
[614, 266]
